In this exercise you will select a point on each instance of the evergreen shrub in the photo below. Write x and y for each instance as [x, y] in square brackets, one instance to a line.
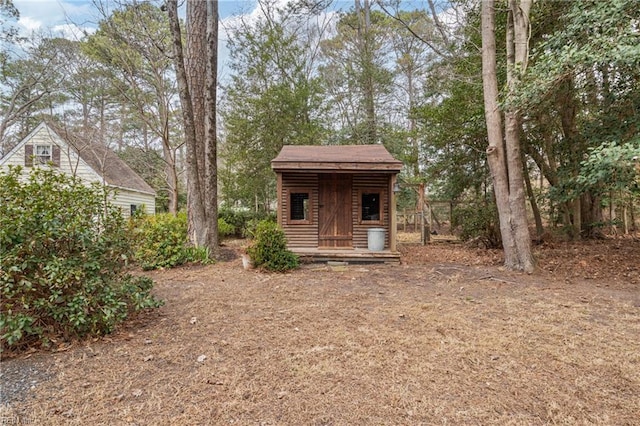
[225, 229]
[243, 221]
[63, 255]
[269, 248]
[478, 221]
[161, 242]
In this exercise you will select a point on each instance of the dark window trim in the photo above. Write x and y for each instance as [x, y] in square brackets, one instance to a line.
[382, 195]
[309, 219]
[31, 158]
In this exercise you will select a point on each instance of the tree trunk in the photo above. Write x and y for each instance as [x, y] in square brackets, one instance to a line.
[195, 71]
[537, 217]
[568, 111]
[195, 207]
[211, 125]
[366, 52]
[519, 12]
[197, 83]
[504, 158]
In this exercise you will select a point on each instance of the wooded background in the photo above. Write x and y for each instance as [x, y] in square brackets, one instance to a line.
[408, 75]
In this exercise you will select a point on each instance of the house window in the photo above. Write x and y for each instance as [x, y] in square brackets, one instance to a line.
[134, 209]
[370, 207]
[43, 154]
[299, 206]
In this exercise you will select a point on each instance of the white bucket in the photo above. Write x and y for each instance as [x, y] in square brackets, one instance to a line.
[247, 263]
[375, 239]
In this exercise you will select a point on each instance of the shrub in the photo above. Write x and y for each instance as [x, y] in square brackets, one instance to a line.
[161, 242]
[243, 221]
[63, 250]
[225, 229]
[269, 248]
[478, 220]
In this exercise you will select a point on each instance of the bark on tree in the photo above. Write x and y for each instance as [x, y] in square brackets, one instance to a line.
[537, 217]
[196, 83]
[195, 70]
[503, 155]
[210, 125]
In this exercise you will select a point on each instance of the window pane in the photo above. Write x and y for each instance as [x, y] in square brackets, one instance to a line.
[43, 150]
[299, 206]
[43, 154]
[371, 206]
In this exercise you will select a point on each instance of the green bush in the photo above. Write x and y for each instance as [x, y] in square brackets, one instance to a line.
[63, 253]
[243, 221]
[269, 248]
[161, 242]
[478, 220]
[225, 229]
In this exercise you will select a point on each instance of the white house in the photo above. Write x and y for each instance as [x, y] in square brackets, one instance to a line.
[91, 162]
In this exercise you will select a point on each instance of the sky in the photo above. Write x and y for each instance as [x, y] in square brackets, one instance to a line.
[60, 16]
[72, 18]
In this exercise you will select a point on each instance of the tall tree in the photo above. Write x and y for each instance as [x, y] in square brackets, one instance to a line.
[581, 92]
[413, 57]
[504, 158]
[197, 81]
[134, 44]
[356, 70]
[30, 82]
[8, 14]
[272, 100]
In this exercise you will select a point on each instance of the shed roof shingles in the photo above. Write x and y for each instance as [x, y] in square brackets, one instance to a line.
[340, 157]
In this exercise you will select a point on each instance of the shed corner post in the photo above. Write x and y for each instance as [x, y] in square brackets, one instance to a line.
[279, 199]
[393, 227]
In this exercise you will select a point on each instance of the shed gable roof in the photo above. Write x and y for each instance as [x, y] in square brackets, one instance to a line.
[103, 161]
[336, 157]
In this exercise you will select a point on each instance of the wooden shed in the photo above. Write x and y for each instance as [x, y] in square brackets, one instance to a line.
[333, 199]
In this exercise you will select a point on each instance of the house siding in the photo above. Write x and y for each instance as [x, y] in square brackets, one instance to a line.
[71, 164]
[124, 199]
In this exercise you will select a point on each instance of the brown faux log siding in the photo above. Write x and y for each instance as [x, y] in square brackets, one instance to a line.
[300, 235]
[306, 235]
[371, 183]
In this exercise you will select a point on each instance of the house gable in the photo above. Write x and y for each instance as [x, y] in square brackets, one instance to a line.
[67, 159]
[89, 162]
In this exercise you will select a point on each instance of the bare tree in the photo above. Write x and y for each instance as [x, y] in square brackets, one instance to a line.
[503, 155]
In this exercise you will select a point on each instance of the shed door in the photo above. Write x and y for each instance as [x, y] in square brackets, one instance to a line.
[335, 228]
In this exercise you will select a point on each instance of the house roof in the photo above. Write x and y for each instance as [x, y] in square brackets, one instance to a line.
[104, 162]
[337, 158]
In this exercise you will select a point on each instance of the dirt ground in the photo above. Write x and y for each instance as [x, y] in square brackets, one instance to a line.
[445, 338]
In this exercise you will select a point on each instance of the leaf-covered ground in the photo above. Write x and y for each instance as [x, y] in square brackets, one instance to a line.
[447, 337]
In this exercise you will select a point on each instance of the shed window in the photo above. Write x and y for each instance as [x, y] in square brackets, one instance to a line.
[370, 206]
[43, 154]
[299, 207]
